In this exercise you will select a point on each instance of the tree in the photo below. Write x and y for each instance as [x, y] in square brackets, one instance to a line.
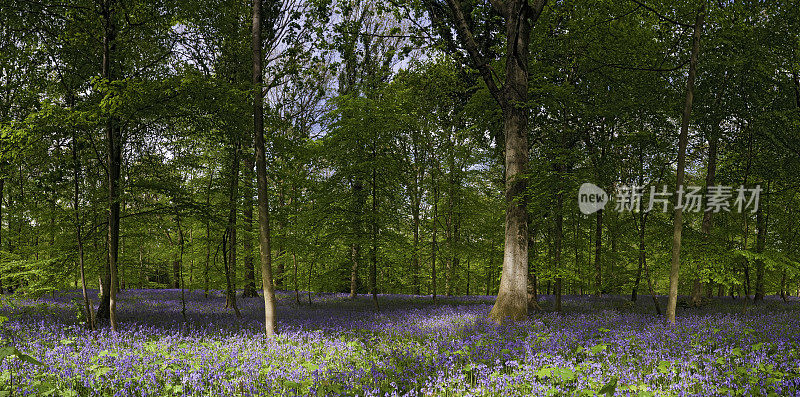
[679, 179]
[512, 95]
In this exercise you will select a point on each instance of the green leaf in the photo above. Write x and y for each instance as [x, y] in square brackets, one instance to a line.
[610, 388]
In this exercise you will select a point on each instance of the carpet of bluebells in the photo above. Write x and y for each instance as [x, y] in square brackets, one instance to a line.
[411, 346]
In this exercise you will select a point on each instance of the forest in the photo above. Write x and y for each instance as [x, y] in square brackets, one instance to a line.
[399, 198]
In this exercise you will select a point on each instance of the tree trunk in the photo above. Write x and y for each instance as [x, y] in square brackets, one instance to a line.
[233, 202]
[87, 303]
[682, 141]
[208, 237]
[512, 298]
[761, 238]
[373, 252]
[2, 185]
[279, 257]
[697, 288]
[247, 217]
[598, 251]
[434, 246]
[355, 247]
[559, 217]
[783, 285]
[296, 282]
[176, 274]
[107, 308]
[355, 254]
[261, 175]
[642, 255]
[415, 255]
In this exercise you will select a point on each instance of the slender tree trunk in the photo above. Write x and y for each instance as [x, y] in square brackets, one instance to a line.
[783, 285]
[761, 238]
[434, 246]
[796, 80]
[2, 185]
[176, 274]
[415, 213]
[598, 253]
[181, 245]
[308, 283]
[114, 147]
[559, 217]
[468, 275]
[231, 230]
[373, 254]
[279, 258]
[355, 254]
[355, 247]
[415, 255]
[682, 141]
[87, 303]
[296, 283]
[208, 237]
[261, 175]
[642, 255]
[247, 217]
[711, 171]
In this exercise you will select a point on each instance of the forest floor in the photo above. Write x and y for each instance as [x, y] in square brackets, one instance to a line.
[411, 346]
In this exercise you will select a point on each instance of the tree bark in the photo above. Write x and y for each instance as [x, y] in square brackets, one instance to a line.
[87, 303]
[208, 237]
[682, 141]
[373, 252]
[261, 175]
[114, 161]
[355, 246]
[2, 185]
[231, 229]
[761, 238]
[559, 218]
[512, 298]
[247, 217]
[519, 16]
[434, 246]
[697, 288]
[598, 253]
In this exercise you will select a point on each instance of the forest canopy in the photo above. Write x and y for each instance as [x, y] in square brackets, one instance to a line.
[427, 147]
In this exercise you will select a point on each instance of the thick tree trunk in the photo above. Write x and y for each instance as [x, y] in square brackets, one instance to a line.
[682, 141]
[512, 297]
[261, 175]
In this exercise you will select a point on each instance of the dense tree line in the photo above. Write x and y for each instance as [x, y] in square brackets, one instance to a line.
[432, 147]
